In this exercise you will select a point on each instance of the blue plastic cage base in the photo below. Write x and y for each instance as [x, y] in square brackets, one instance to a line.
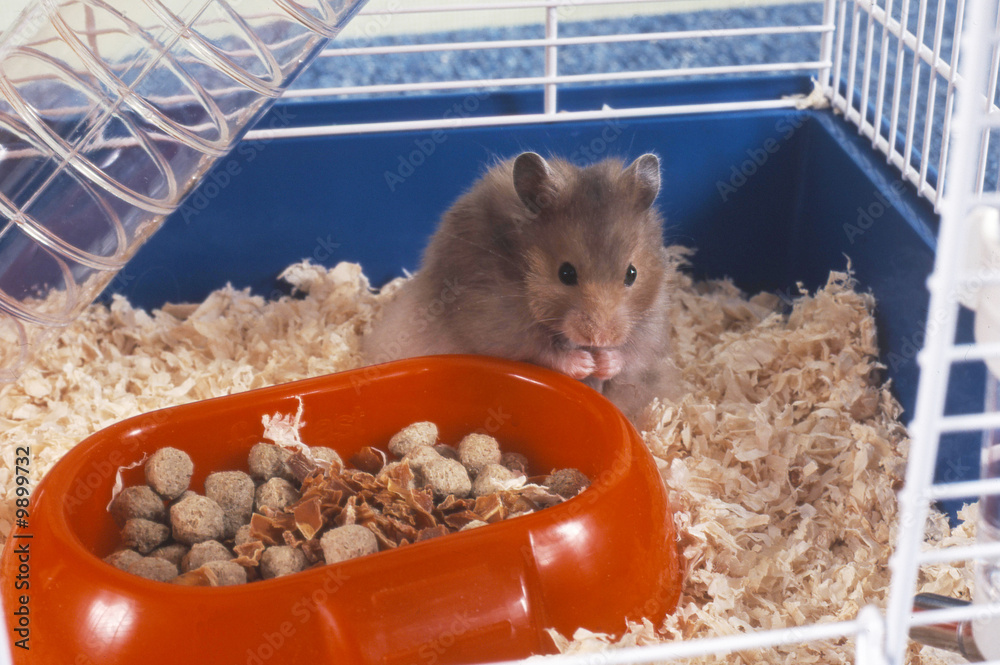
[769, 199]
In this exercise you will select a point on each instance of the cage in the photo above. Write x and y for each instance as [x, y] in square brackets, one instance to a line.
[791, 135]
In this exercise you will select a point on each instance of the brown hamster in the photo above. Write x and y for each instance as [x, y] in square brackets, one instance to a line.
[545, 262]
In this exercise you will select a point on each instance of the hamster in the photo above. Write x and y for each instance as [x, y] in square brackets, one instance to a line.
[545, 262]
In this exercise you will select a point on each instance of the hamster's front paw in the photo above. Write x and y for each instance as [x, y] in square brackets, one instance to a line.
[607, 363]
[577, 363]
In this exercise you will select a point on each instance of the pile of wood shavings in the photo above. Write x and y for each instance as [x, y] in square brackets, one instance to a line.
[782, 458]
[117, 361]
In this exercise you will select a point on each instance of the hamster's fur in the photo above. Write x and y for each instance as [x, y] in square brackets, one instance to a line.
[545, 262]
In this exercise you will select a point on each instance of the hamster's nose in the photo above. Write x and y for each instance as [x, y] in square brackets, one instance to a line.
[598, 323]
[606, 337]
[602, 331]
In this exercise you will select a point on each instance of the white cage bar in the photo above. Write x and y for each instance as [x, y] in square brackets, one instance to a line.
[548, 81]
[969, 128]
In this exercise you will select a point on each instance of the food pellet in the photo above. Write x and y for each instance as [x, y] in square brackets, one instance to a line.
[242, 535]
[202, 553]
[123, 558]
[144, 536]
[138, 502]
[197, 519]
[328, 455]
[276, 493]
[516, 462]
[446, 451]
[420, 456]
[185, 494]
[173, 553]
[491, 479]
[227, 572]
[477, 450]
[567, 483]
[168, 472]
[413, 436]
[446, 477]
[234, 492]
[153, 568]
[281, 560]
[267, 461]
[348, 542]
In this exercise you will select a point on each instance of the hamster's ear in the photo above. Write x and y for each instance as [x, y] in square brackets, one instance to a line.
[645, 172]
[533, 181]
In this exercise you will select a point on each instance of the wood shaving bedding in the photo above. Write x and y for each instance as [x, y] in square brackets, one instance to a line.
[782, 459]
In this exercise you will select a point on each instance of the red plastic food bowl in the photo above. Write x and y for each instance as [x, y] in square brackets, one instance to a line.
[485, 594]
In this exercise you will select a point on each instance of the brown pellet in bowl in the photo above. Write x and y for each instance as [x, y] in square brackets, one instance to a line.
[144, 536]
[197, 519]
[168, 472]
[139, 502]
[234, 492]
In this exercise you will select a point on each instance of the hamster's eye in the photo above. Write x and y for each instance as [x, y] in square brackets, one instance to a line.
[630, 274]
[567, 274]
